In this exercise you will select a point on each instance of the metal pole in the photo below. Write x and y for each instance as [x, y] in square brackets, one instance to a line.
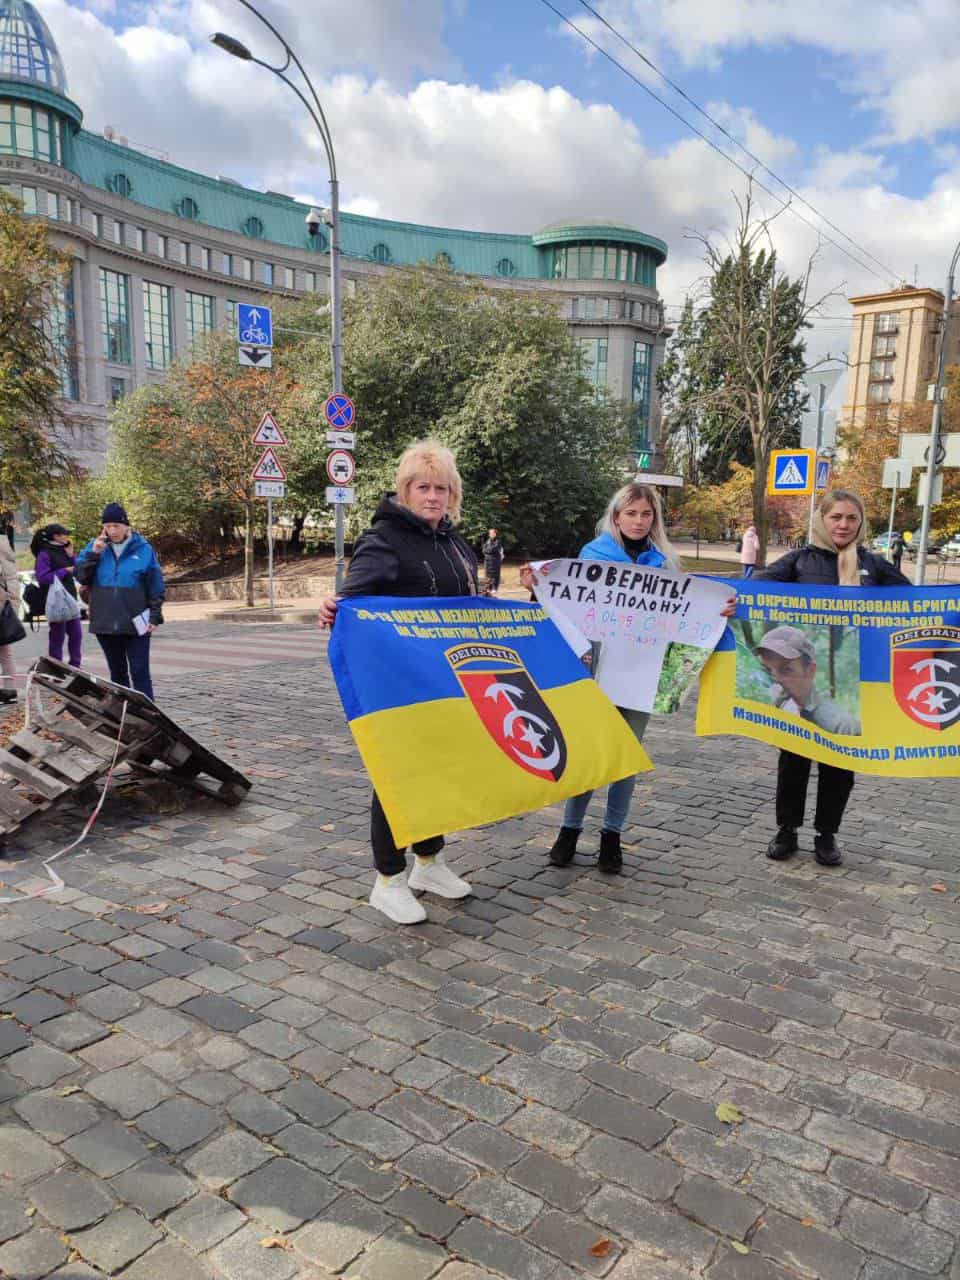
[893, 503]
[270, 549]
[934, 447]
[336, 357]
[821, 397]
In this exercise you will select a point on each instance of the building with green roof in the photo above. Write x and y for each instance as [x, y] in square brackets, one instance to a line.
[162, 254]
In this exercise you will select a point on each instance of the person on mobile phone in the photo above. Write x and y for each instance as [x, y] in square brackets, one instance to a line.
[53, 549]
[126, 586]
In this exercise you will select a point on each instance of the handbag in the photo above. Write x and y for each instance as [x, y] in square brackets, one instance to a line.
[11, 628]
[61, 605]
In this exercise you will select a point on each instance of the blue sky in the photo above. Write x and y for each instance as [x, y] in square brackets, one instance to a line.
[485, 113]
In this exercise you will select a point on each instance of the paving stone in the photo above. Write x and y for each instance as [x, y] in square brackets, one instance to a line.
[167, 1259]
[877, 1184]
[204, 1221]
[242, 1257]
[437, 1169]
[55, 1117]
[312, 1147]
[283, 1193]
[550, 1129]
[153, 1187]
[32, 1256]
[219, 1012]
[35, 1007]
[72, 1031]
[501, 1203]
[341, 1232]
[362, 1087]
[13, 1038]
[41, 1066]
[211, 1087]
[129, 1090]
[160, 1027]
[116, 1051]
[729, 1212]
[484, 1145]
[374, 1134]
[850, 1138]
[374, 1181]
[533, 1079]
[506, 1254]
[556, 1181]
[806, 1249]
[258, 1113]
[603, 1110]
[659, 1231]
[312, 1103]
[429, 1120]
[399, 1256]
[428, 1215]
[573, 1240]
[483, 1101]
[278, 1039]
[70, 1199]
[117, 1240]
[614, 1160]
[25, 1155]
[179, 1123]
[263, 1073]
[896, 1236]
[106, 1149]
[227, 1158]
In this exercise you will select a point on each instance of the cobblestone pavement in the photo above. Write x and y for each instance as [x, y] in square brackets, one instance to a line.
[252, 1077]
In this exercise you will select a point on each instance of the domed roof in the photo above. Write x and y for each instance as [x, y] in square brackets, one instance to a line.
[27, 49]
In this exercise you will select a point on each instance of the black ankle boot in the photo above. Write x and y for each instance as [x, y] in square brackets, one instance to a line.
[8, 695]
[611, 859]
[565, 846]
[783, 845]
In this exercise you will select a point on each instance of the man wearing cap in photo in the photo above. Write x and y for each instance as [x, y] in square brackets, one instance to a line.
[790, 660]
[126, 597]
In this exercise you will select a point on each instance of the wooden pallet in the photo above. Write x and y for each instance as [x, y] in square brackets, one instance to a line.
[75, 745]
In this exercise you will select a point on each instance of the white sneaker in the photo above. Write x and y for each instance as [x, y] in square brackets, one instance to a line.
[392, 896]
[434, 876]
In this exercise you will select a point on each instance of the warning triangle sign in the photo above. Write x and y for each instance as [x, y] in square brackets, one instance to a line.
[268, 432]
[269, 468]
[790, 475]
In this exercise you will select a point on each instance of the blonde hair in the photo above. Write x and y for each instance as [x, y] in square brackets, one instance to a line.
[434, 460]
[830, 500]
[637, 492]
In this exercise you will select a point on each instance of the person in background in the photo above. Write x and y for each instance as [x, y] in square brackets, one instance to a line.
[834, 557]
[631, 531]
[7, 528]
[55, 559]
[412, 549]
[749, 550]
[492, 561]
[896, 550]
[126, 597]
[9, 591]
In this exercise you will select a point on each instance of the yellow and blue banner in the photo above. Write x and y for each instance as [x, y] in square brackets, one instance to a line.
[466, 711]
[862, 678]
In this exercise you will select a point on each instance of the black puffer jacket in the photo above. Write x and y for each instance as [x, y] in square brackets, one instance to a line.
[818, 567]
[401, 555]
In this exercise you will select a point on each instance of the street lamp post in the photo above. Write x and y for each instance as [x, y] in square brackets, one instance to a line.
[238, 50]
[934, 448]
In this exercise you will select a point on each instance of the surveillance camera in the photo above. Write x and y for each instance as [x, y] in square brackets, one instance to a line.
[313, 220]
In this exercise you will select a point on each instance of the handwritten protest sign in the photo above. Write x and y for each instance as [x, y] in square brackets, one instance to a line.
[656, 628]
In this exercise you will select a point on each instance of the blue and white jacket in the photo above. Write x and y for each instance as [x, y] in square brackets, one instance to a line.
[121, 587]
[606, 547]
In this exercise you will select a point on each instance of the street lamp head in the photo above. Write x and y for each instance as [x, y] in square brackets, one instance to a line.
[230, 45]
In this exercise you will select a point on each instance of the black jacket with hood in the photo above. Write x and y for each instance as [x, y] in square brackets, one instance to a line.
[818, 567]
[401, 555]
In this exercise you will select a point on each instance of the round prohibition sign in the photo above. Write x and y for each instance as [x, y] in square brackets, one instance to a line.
[339, 410]
[340, 466]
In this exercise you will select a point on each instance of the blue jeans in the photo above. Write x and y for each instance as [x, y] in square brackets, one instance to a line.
[128, 658]
[747, 570]
[619, 793]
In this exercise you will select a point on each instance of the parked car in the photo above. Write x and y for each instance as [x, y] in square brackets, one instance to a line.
[951, 549]
[881, 544]
[934, 546]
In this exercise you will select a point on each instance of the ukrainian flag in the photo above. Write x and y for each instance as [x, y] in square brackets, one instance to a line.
[466, 711]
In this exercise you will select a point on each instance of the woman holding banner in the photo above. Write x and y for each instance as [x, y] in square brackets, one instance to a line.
[834, 557]
[630, 531]
[412, 549]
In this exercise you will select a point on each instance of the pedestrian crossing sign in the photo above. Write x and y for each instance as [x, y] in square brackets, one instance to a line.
[791, 472]
[823, 474]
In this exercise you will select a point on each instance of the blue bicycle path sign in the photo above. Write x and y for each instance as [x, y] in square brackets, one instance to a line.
[254, 325]
[339, 410]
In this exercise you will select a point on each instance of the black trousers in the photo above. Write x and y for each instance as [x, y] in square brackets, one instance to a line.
[388, 859]
[833, 791]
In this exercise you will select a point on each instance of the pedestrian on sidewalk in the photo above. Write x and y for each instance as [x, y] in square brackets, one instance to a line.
[631, 531]
[492, 562]
[9, 593]
[749, 549]
[126, 597]
[834, 557]
[56, 561]
[412, 549]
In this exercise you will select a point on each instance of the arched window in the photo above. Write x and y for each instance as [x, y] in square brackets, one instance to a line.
[253, 227]
[188, 208]
[381, 253]
[120, 184]
[506, 268]
[444, 260]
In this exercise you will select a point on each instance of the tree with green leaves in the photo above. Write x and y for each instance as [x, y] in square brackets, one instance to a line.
[32, 422]
[732, 386]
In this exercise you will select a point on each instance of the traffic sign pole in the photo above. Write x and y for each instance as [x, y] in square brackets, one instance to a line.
[821, 396]
[270, 549]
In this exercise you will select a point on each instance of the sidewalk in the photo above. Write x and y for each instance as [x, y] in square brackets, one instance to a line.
[222, 1063]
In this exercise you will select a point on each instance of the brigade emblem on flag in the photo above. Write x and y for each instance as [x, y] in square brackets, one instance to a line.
[926, 674]
[511, 707]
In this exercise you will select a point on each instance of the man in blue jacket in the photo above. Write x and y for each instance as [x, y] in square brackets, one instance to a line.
[122, 572]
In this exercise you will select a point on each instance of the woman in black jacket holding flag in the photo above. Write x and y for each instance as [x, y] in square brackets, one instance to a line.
[412, 549]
